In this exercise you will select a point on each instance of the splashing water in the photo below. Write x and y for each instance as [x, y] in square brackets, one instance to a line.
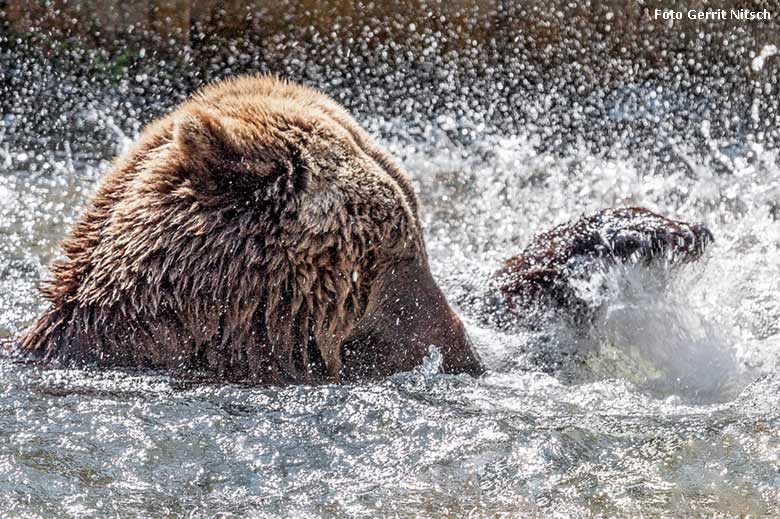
[666, 406]
[660, 339]
[758, 62]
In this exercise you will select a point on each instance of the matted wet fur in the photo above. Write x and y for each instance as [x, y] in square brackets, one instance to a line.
[256, 233]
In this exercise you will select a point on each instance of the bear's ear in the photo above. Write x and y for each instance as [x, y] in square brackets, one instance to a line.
[203, 138]
[231, 153]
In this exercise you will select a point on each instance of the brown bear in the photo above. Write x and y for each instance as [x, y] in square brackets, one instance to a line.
[256, 233]
[541, 276]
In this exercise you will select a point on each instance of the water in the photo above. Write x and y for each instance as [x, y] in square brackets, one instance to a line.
[667, 407]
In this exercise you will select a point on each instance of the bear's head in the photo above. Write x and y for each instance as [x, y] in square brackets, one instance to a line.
[343, 280]
[544, 275]
[256, 233]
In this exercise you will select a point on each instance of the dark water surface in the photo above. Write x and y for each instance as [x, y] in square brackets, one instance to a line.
[509, 120]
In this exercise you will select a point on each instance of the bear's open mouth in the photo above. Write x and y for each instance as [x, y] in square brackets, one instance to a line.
[679, 244]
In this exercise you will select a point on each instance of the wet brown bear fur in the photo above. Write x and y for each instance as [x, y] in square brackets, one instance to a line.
[257, 233]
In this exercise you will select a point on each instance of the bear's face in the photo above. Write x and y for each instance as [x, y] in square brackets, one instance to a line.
[406, 315]
[541, 277]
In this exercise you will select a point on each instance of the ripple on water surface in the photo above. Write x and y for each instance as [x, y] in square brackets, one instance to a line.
[416, 443]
